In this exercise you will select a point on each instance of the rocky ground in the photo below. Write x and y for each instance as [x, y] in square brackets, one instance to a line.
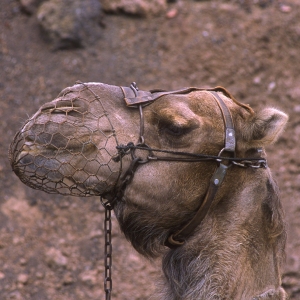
[51, 247]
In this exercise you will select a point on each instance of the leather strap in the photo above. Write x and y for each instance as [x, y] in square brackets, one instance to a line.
[134, 97]
[229, 128]
[180, 236]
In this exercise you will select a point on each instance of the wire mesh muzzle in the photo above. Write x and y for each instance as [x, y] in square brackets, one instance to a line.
[68, 147]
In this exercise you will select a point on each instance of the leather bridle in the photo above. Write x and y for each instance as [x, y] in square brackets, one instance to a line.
[138, 99]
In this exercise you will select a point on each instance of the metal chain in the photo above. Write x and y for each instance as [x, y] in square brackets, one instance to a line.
[107, 250]
[262, 163]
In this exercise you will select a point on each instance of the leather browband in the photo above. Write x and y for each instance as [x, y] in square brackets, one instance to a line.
[135, 97]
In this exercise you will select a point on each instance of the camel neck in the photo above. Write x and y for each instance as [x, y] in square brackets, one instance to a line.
[234, 253]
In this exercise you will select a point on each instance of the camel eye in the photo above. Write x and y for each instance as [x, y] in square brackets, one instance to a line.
[174, 130]
[175, 126]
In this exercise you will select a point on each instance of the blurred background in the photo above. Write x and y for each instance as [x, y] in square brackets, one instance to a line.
[51, 247]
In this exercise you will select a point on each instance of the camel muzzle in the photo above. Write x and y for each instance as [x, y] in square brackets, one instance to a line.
[64, 149]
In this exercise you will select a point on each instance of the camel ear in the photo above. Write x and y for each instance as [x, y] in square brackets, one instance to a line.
[267, 126]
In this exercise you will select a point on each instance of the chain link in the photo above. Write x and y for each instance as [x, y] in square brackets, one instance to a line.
[107, 250]
[262, 163]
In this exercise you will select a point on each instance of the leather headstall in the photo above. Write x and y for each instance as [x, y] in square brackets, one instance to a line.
[179, 237]
[138, 99]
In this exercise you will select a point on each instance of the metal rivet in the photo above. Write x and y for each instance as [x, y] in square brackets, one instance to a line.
[230, 134]
[216, 181]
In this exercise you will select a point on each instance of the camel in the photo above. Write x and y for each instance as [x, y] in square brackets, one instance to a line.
[185, 172]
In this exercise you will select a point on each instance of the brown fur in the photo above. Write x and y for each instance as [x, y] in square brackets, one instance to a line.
[237, 251]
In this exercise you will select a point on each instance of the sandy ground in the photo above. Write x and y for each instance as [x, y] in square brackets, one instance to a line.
[51, 247]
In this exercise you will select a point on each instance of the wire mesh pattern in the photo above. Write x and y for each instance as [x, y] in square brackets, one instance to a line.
[62, 148]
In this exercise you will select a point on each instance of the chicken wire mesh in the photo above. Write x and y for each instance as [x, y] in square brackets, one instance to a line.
[68, 146]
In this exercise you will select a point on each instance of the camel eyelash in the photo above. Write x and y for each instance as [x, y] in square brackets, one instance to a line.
[173, 129]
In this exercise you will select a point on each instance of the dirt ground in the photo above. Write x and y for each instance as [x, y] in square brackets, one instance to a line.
[51, 247]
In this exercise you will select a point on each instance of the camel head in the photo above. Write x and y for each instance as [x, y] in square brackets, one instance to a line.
[186, 169]
[76, 145]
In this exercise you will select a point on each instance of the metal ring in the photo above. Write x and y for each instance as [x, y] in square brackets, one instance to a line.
[221, 159]
[223, 149]
[142, 146]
